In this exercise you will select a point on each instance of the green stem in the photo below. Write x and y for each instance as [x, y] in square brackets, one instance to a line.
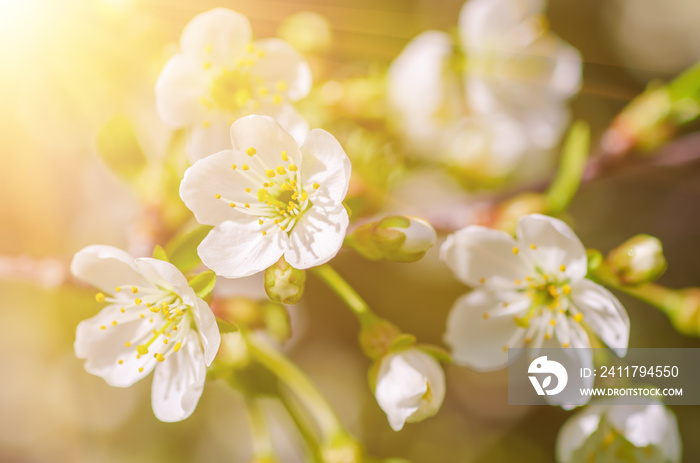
[665, 299]
[349, 296]
[263, 450]
[302, 422]
[571, 167]
[288, 373]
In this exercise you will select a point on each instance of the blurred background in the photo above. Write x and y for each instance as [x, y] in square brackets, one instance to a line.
[70, 66]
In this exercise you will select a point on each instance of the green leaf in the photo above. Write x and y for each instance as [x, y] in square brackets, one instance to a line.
[182, 249]
[160, 254]
[203, 284]
[120, 149]
[438, 353]
[573, 162]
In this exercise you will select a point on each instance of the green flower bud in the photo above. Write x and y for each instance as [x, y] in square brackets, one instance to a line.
[284, 283]
[686, 316]
[638, 260]
[377, 337]
[396, 239]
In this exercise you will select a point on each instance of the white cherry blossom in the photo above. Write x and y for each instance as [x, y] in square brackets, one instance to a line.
[410, 387]
[642, 432]
[153, 320]
[529, 291]
[269, 197]
[220, 75]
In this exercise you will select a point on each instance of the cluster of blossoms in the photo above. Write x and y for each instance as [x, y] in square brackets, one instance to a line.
[493, 105]
[272, 190]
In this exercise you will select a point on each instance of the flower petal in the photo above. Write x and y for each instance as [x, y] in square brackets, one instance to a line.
[489, 22]
[292, 122]
[267, 137]
[324, 162]
[577, 429]
[209, 137]
[233, 251]
[103, 348]
[477, 254]
[179, 87]
[208, 330]
[478, 342]
[217, 36]
[555, 243]
[214, 176]
[166, 275]
[603, 313]
[317, 236]
[106, 267]
[178, 382]
[282, 65]
[416, 77]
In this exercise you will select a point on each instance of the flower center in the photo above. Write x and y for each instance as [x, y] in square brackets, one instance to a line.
[240, 88]
[277, 196]
[161, 310]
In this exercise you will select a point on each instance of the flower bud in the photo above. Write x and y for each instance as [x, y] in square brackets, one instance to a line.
[638, 260]
[396, 239]
[519, 206]
[342, 449]
[410, 386]
[284, 283]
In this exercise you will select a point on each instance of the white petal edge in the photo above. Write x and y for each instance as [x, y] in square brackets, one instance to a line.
[556, 245]
[233, 251]
[317, 236]
[604, 313]
[178, 382]
[217, 36]
[324, 162]
[476, 252]
[477, 342]
[179, 87]
[106, 267]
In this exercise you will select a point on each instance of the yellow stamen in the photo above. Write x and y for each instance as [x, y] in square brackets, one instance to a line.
[127, 344]
[280, 170]
[533, 247]
[103, 327]
[284, 156]
[159, 357]
[206, 124]
[137, 301]
[134, 290]
[114, 323]
[292, 167]
[562, 268]
[245, 167]
[140, 369]
[118, 288]
[251, 151]
[100, 297]
[121, 361]
[177, 346]
[217, 196]
[316, 186]
[578, 317]
[566, 289]
[232, 204]
[516, 250]
[270, 173]
[233, 166]
[122, 310]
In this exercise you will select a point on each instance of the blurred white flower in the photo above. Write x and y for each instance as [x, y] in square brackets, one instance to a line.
[515, 65]
[496, 110]
[410, 387]
[646, 432]
[153, 320]
[268, 197]
[530, 291]
[221, 74]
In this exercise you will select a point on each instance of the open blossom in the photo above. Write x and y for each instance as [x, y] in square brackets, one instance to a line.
[220, 75]
[153, 320]
[610, 431]
[529, 291]
[497, 110]
[268, 197]
[410, 387]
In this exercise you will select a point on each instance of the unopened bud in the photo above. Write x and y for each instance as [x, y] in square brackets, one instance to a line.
[284, 283]
[686, 316]
[396, 239]
[638, 260]
[377, 337]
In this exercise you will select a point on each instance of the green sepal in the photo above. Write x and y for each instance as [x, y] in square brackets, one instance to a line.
[225, 326]
[182, 249]
[160, 254]
[595, 258]
[203, 284]
[402, 341]
[440, 354]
